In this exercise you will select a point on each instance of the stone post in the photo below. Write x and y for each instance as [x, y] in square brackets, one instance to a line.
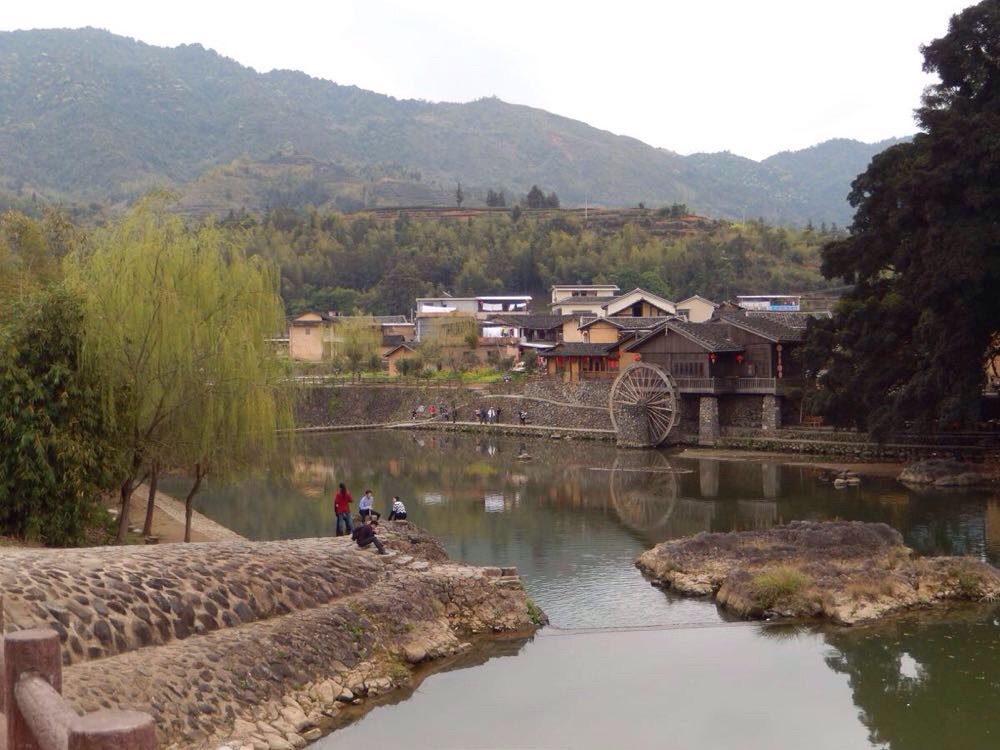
[708, 420]
[770, 413]
[633, 427]
[28, 651]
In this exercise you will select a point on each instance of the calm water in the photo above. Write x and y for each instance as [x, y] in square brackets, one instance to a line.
[572, 519]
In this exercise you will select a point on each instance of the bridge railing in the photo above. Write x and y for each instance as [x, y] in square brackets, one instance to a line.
[39, 718]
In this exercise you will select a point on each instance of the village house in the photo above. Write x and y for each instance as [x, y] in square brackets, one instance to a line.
[582, 299]
[637, 304]
[313, 336]
[430, 311]
[534, 331]
[737, 369]
[696, 309]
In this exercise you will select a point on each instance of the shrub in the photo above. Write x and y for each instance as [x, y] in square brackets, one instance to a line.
[777, 583]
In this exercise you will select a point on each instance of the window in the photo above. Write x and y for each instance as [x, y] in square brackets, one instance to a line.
[689, 369]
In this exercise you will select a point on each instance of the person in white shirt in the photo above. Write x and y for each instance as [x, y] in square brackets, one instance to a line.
[366, 507]
[398, 512]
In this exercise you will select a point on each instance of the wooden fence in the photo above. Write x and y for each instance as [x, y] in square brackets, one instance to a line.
[39, 718]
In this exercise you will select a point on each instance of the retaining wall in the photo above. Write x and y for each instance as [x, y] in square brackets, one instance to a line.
[212, 639]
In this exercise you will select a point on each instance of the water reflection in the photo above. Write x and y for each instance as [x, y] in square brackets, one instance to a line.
[925, 681]
[573, 515]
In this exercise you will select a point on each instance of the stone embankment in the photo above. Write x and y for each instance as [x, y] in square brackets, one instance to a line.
[845, 571]
[550, 403]
[254, 644]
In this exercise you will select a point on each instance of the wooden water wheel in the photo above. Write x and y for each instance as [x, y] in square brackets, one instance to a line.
[644, 489]
[643, 405]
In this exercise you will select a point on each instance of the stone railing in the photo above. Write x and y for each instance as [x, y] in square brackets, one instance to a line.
[39, 718]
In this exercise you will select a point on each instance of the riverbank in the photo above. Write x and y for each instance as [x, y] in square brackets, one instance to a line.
[581, 410]
[168, 519]
[255, 644]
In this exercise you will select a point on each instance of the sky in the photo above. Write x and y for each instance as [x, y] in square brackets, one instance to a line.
[750, 77]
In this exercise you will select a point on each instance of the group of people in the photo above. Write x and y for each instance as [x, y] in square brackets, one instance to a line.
[489, 415]
[441, 411]
[366, 533]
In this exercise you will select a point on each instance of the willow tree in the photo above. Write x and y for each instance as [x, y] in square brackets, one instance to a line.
[176, 326]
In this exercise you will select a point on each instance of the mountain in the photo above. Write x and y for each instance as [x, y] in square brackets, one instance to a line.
[88, 116]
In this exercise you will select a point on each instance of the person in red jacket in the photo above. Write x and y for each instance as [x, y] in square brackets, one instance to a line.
[342, 507]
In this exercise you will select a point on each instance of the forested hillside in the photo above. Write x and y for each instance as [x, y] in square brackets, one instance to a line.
[335, 262]
[378, 263]
[90, 117]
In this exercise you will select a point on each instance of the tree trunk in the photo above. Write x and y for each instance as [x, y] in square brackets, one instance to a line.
[125, 497]
[189, 501]
[147, 526]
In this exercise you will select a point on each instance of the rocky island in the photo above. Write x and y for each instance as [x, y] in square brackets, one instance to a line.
[254, 644]
[844, 571]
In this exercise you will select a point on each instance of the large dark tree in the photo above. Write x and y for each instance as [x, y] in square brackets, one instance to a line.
[908, 344]
[57, 453]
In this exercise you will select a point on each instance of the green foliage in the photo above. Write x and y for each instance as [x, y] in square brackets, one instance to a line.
[382, 266]
[535, 614]
[909, 344]
[176, 321]
[775, 584]
[57, 452]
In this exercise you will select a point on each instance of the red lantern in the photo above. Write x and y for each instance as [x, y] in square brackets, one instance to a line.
[711, 358]
[739, 358]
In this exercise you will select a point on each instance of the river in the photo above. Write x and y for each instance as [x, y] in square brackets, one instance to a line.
[624, 664]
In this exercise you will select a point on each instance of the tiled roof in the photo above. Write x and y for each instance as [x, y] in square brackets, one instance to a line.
[765, 327]
[628, 323]
[713, 336]
[580, 349]
[710, 336]
[392, 339]
[391, 319]
[790, 319]
[569, 301]
[540, 322]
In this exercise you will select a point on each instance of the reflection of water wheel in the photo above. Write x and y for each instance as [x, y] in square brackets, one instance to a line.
[643, 405]
[643, 490]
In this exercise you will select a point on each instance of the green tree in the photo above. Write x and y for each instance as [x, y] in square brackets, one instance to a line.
[535, 198]
[908, 344]
[58, 454]
[176, 322]
[358, 341]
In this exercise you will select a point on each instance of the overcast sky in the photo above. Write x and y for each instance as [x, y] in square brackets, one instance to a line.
[710, 75]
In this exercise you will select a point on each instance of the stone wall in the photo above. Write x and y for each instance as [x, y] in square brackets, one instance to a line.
[740, 410]
[216, 640]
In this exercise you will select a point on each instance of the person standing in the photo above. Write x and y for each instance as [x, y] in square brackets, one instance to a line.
[342, 508]
[366, 506]
[398, 512]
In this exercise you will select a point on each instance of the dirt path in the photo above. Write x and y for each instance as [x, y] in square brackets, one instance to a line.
[168, 520]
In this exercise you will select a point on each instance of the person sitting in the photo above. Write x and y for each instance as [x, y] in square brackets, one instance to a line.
[398, 512]
[365, 534]
[366, 506]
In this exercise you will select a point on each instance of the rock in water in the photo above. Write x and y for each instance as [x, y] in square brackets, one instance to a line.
[845, 571]
[942, 472]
